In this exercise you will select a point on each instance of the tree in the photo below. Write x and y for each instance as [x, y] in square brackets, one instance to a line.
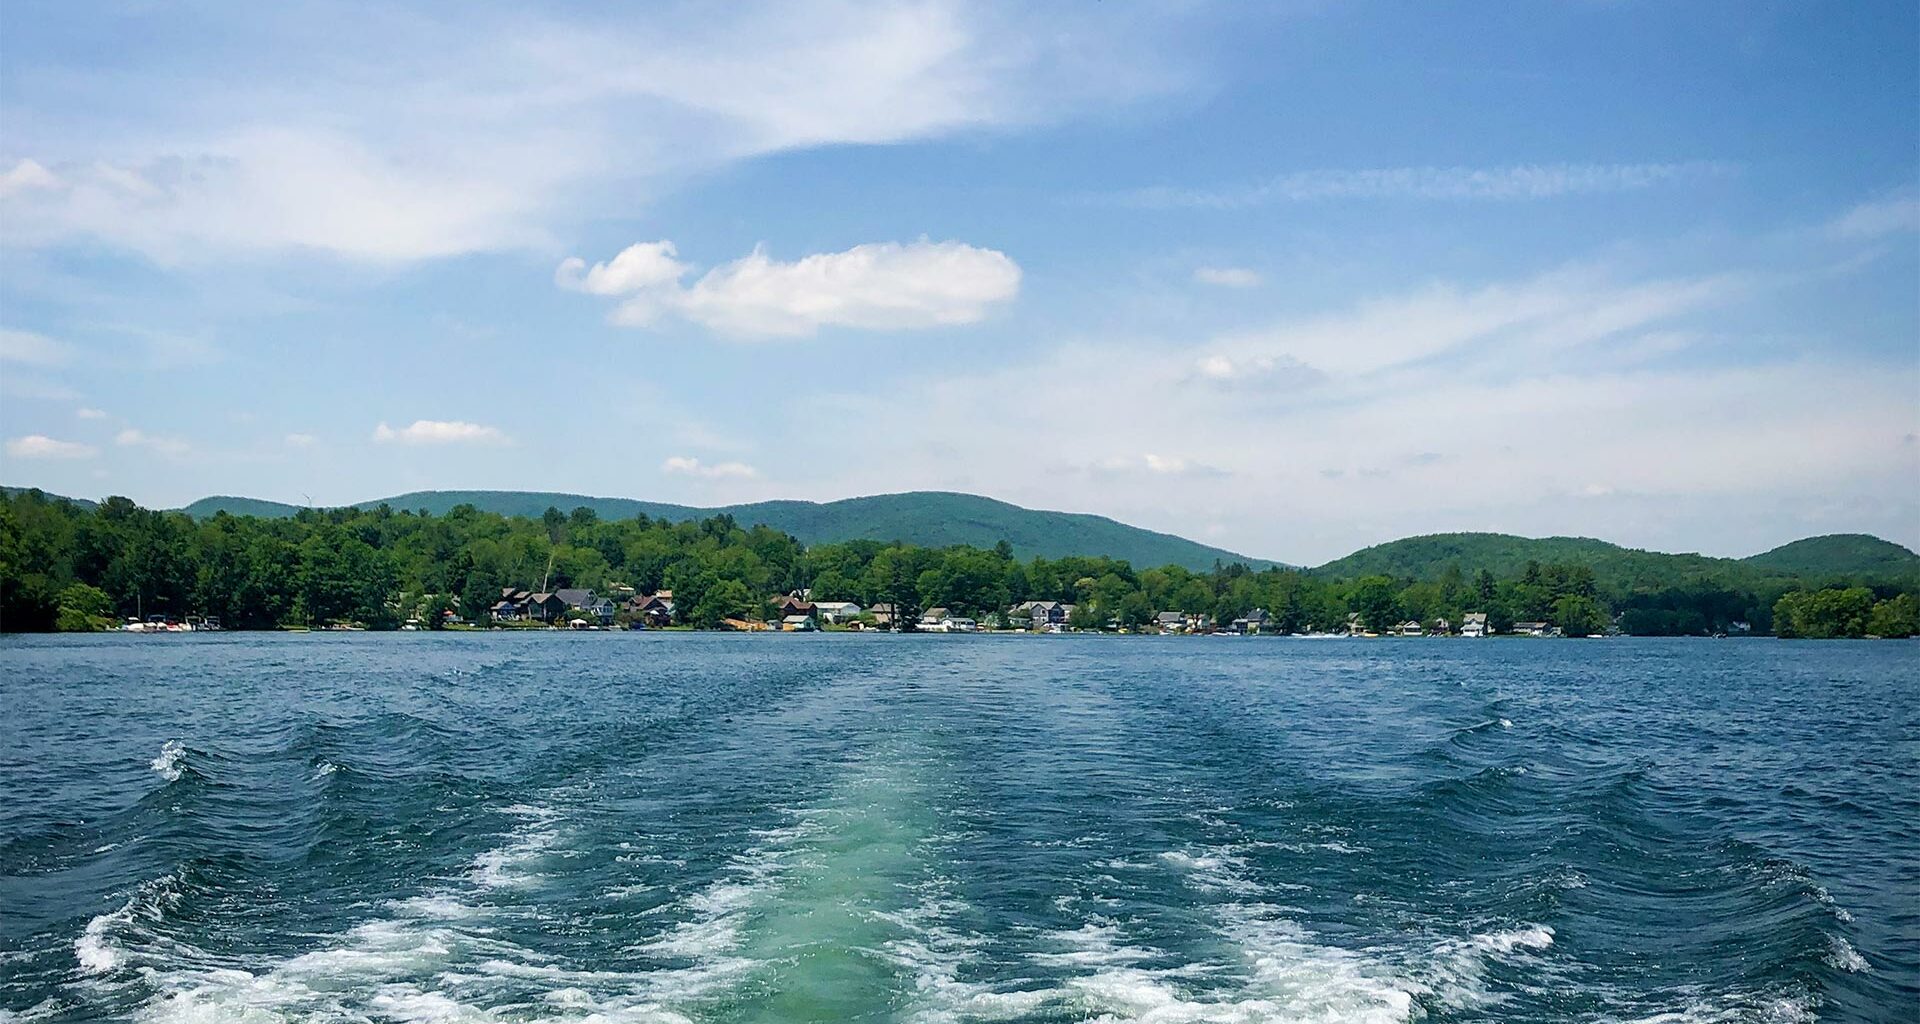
[1823, 614]
[1135, 610]
[1896, 618]
[1373, 598]
[1086, 615]
[1579, 616]
[726, 599]
[84, 609]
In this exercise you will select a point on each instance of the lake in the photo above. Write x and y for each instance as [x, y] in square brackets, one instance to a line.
[704, 827]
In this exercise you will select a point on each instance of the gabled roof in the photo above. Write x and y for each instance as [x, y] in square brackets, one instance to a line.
[576, 597]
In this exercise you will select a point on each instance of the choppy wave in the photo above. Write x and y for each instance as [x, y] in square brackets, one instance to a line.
[173, 754]
[951, 834]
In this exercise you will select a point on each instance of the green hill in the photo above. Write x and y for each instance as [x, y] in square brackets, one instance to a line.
[1840, 554]
[206, 508]
[1506, 555]
[1502, 554]
[15, 491]
[930, 518]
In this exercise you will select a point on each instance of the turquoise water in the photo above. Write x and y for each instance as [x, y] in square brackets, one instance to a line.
[645, 827]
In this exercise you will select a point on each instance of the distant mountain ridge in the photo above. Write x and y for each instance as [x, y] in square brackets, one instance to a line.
[1846, 554]
[928, 518]
[940, 518]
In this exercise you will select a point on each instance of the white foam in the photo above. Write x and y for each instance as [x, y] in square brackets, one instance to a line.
[1735, 1009]
[172, 754]
[1276, 972]
[1454, 970]
[95, 948]
[1842, 956]
[510, 866]
[1531, 937]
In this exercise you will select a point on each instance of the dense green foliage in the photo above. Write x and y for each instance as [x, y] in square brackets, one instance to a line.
[1837, 612]
[71, 566]
[1836, 556]
[922, 518]
[1839, 553]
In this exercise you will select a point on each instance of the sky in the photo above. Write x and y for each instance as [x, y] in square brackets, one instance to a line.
[1289, 278]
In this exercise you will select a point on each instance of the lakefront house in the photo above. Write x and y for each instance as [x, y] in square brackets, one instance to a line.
[1042, 616]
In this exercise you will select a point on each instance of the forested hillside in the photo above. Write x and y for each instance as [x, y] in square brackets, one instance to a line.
[73, 566]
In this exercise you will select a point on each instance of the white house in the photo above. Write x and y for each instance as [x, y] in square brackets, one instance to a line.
[836, 611]
[1475, 624]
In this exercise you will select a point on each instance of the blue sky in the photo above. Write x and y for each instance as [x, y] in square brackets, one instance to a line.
[1290, 278]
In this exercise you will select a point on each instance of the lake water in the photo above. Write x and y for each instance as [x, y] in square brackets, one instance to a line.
[648, 827]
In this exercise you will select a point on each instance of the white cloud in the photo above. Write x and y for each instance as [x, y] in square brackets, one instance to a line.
[1495, 407]
[637, 267]
[1524, 182]
[688, 466]
[30, 348]
[487, 129]
[26, 175]
[169, 446]
[40, 446]
[1551, 312]
[86, 413]
[438, 432]
[1879, 217]
[301, 440]
[1161, 465]
[1227, 277]
[878, 286]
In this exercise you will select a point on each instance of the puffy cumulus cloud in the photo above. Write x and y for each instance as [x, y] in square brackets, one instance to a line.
[878, 286]
[641, 266]
[169, 446]
[486, 128]
[1227, 277]
[30, 348]
[684, 465]
[40, 446]
[437, 432]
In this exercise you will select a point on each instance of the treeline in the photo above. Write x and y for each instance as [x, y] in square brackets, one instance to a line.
[1845, 612]
[68, 566]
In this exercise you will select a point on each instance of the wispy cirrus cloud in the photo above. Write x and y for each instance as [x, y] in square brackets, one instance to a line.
[883, 285]
[1492, 184]
[488, 128]
[1491, 405]
[172, 447]
[1892, 215]
[684, 465]
[1228, 277]
[31, 348]
[438, 432]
